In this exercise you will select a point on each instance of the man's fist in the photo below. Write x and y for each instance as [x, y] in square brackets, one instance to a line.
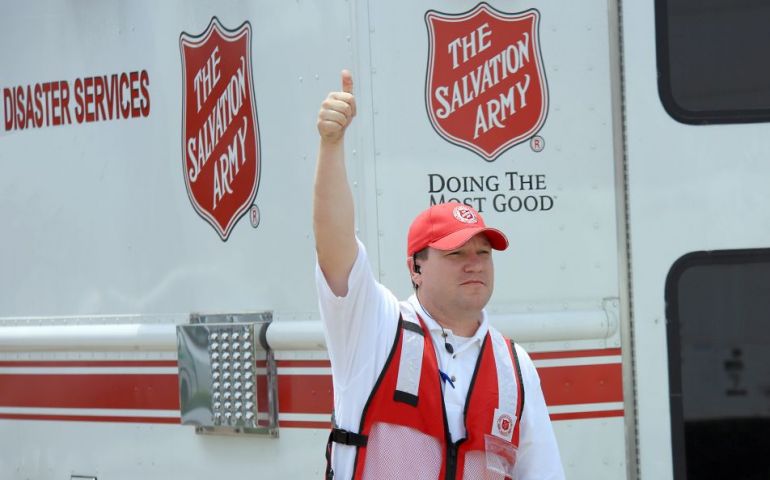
[337, 111]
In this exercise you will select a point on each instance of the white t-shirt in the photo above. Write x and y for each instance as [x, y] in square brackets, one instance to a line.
[360, 329]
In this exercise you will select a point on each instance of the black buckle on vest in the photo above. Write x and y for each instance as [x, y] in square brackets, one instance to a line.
[348, 438]
[403, 397]
[412, 327]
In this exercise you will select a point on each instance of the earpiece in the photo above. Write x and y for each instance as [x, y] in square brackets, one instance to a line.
[414, 263]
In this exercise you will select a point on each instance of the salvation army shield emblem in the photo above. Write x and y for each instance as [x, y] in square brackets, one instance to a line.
[220, 133]
[485, 86]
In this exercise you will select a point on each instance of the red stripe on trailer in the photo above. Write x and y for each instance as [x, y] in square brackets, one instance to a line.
[585, 415]
[88, 418]
[305, 393]
[582, 384]
[89, 363]
[303, 364]
[304, 424]
[151, 392]
[604, 352]
[297, 393]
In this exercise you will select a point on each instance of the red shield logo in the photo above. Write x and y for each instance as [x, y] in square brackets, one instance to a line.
[485, 88]
[220, 134]
[504, 423]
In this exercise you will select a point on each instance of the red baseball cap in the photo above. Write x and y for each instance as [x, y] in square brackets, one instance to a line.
[447, 226]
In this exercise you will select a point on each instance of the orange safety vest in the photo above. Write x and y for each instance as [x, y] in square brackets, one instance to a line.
[403, 431]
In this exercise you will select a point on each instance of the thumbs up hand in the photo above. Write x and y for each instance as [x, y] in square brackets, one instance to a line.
[337, 111]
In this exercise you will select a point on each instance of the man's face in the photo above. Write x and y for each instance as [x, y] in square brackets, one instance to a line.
[457, 281]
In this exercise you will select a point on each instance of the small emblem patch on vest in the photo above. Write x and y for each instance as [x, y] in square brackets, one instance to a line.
[502, 425]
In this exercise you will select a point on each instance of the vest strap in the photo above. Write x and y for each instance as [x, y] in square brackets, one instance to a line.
[404, 397]
[506, 414]
[329, 475]
[345, 437]
[519, 378]
[410, 364]
[506, 375]
[412, 327]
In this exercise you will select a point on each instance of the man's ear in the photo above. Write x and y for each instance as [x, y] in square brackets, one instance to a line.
[414, 271]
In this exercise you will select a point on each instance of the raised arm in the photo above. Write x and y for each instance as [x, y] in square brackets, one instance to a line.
[333, 210]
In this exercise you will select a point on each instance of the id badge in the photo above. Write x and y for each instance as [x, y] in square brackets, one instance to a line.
[500, 455]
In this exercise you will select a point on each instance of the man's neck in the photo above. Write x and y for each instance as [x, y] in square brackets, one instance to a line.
[462, 323]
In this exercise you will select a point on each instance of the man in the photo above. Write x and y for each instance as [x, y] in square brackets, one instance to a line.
[424, 388]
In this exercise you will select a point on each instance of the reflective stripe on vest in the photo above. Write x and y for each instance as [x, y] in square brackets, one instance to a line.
[507, 388]
[410, 365]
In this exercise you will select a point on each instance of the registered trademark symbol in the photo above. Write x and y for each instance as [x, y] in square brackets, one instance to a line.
[537, 143]
[254, 216]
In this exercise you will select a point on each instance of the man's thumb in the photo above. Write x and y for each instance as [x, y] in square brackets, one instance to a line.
[347, 81]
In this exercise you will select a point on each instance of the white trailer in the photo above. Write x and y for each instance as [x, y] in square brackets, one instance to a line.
[157, 167]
